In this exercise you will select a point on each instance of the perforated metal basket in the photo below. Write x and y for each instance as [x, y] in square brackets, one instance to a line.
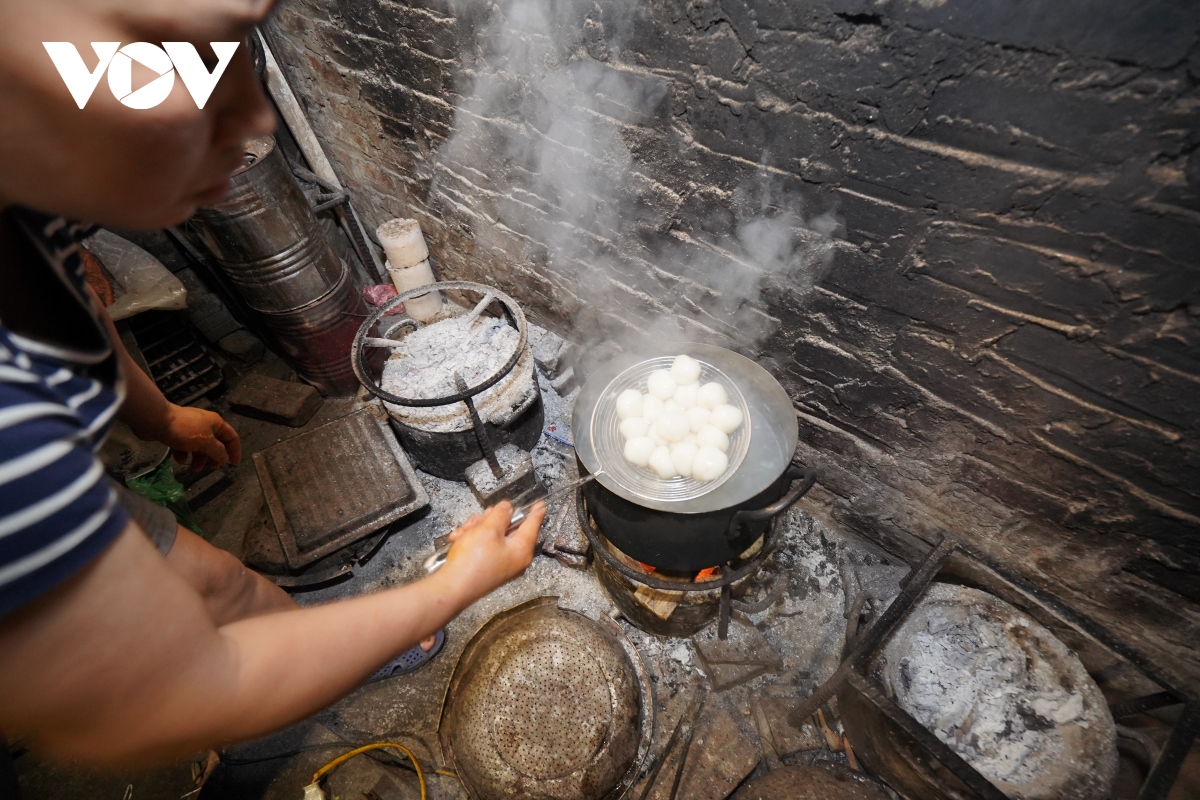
[547, 704]
[642, 481]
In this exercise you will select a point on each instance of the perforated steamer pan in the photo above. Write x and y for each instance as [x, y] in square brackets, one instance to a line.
[547, 704]
[772, 421]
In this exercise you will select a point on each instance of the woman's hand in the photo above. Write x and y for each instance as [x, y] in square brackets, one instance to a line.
[483, 556]
[204, 435]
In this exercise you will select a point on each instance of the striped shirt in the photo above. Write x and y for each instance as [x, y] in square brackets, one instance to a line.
[58, 509]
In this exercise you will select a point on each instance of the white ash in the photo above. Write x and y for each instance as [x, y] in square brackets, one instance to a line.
[451, 503]
[510, 458]
[993, 690]
[682, 653]
[425, 366]
[806, 626]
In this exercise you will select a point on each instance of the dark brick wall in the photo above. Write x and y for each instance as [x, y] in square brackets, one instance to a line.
[1007, 342]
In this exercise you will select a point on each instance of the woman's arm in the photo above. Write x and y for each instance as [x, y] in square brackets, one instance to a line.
[122, 664]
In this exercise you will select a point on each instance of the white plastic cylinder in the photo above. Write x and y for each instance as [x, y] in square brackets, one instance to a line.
[423, 307]
[408, 265]
[403, 242]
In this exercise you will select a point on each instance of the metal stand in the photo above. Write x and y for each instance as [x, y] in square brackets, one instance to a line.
[729, 575]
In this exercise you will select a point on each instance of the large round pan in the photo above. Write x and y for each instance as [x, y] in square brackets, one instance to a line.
[772, 421]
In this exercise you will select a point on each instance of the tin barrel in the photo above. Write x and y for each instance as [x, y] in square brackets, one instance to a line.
[265, 236]
[316, 339]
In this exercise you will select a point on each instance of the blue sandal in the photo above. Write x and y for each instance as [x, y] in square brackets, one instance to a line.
[410, 660]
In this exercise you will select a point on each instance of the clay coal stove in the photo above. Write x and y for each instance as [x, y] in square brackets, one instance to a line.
[470, 404]
[678, 602]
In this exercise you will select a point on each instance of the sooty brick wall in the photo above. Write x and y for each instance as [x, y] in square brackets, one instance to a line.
[1006, 342]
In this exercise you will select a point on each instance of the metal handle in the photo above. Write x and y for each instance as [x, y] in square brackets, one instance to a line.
[803, 479]
[435, 561]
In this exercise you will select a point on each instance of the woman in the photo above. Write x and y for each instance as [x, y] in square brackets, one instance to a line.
[111, 653]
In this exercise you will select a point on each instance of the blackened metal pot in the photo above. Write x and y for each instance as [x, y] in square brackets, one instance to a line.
[692, 542]
[448, 454]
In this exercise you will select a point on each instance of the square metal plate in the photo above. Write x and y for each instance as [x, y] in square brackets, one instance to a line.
[335, 484]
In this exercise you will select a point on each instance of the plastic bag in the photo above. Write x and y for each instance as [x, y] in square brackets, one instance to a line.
[141, 281]
[161, 486]
[379, 294]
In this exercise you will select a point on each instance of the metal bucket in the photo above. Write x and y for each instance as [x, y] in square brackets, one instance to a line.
[316, 338]
[265, 236]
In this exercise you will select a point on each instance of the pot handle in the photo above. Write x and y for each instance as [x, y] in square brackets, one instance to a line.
[803, 479]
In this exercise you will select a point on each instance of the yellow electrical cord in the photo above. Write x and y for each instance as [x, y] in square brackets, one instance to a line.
[344, 757]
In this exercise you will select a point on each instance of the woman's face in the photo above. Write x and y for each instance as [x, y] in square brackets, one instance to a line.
[108, 163]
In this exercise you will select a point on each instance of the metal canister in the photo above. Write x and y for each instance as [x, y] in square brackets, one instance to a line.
[266, 239]
[316, 338]
[265, 236]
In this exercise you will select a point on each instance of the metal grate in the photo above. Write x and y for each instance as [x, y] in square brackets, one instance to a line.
[179, 364]
[336, 484]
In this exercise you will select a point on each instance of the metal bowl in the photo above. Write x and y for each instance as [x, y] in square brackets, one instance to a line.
[1072, 759]
[642, 481]
[546, 704]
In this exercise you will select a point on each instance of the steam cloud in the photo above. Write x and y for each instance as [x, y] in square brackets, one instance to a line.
[540, 166]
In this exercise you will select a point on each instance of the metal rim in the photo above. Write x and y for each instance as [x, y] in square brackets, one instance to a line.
[358, 359]
[773, 418]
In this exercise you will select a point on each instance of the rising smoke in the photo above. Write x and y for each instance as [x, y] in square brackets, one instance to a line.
[556, 161]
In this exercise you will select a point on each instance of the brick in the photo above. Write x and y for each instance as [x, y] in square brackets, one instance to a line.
[281, 402]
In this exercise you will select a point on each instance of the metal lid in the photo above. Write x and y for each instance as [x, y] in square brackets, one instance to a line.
[547, 704]
[771, 419]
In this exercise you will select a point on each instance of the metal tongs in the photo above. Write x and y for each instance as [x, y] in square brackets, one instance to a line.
[522, 506]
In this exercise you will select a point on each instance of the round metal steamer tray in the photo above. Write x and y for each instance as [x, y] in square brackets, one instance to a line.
[547, 704]
[771, 419]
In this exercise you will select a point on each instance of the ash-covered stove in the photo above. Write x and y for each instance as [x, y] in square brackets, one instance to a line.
[460, 391]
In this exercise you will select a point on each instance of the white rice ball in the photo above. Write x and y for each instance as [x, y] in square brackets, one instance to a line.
[656, 437]
[629, 404]
[672, 427]
[661, 384]
[697, 418]
[638, 451]
[633, 428]
[726, 417]
[662, 463]
[685, 369]
[691, 439]
[708, 436]
[652, 408]
[685, 395]
[712, 395]
[671, 407]
[683, 453]
[709, 464]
